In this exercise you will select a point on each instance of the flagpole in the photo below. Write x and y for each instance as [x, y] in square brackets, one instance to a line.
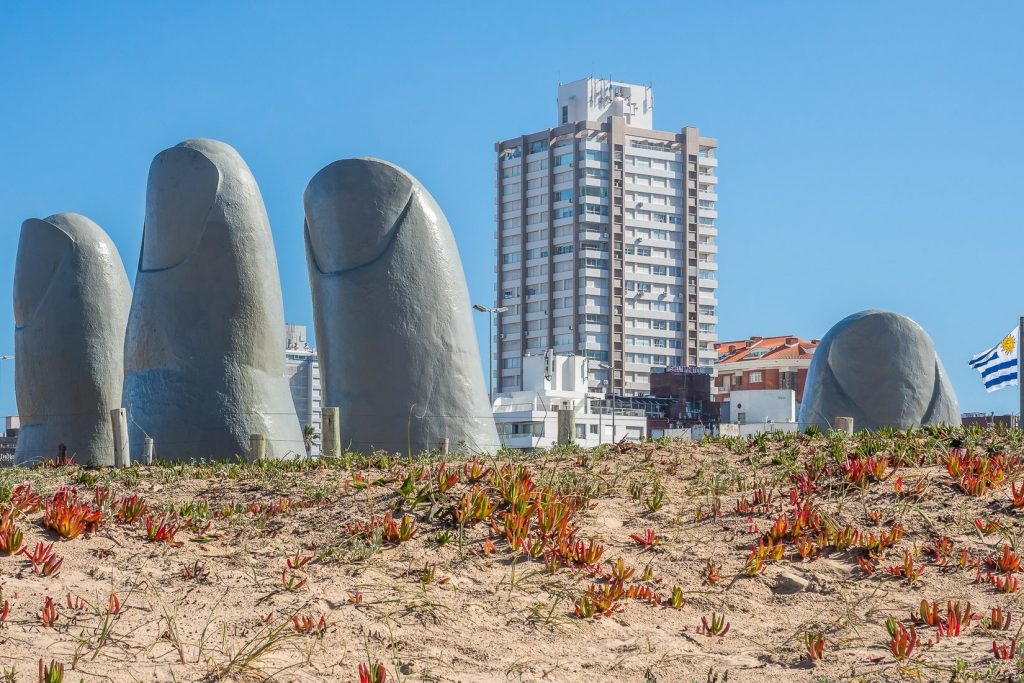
[1020, 375]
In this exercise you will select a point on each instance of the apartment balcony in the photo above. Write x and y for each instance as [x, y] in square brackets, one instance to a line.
[593, 272]
[592, 163]
[567, 256]
[594, 182]
[595, 329]
[706, 248]
[708, 230]
[595, 233]
[707, 284]
[707, 196]
[711, 162]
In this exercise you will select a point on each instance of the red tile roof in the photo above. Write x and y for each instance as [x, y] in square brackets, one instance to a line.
[786, 347]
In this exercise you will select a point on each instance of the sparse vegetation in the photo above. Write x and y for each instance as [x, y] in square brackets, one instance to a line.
[876, 557]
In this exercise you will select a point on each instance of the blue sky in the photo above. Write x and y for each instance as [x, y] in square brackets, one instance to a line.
[870, 153]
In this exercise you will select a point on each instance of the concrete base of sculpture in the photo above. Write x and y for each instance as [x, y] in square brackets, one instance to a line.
[394, 329]
[204, 353]
[882, 370]
[71, 300]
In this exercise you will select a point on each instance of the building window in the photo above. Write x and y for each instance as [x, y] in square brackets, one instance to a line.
[593, 429]
[754, 377]
[565, 113]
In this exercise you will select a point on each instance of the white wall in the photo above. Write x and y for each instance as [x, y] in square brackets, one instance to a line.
[763, 405]
[594, 99]
[755, 429]
[568, 373]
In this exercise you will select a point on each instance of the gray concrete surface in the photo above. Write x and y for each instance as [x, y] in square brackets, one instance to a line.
[882, 370]
[204, 353]
[394, 328]
[71, 300]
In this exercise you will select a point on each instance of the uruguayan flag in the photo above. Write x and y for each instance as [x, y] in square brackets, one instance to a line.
[999, 365]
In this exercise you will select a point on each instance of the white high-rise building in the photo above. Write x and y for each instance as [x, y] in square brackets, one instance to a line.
[303, 372]
[606, 241]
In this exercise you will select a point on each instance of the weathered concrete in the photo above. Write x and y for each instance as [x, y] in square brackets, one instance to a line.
[394, 328]
[204, 353]
[882, 370]
[71, 300]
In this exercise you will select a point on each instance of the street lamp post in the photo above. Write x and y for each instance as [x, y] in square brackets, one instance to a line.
[491, 313]
[605, 366]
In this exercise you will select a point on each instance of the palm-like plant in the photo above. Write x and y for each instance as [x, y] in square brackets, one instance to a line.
[310, 438]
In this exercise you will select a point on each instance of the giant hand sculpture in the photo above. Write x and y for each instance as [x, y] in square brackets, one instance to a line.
[882, 370]
[204, 353]
[398, 350]
[71, 300]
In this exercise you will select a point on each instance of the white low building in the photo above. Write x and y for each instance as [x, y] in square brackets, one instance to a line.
[761, 406]
[528, 419]
[302, 368]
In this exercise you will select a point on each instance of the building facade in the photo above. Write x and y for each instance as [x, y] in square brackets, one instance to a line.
[303, 371]
[990, 420]
[9, 440]
[690, 391]
[606, 241]
[528, 419]
[764, 363]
